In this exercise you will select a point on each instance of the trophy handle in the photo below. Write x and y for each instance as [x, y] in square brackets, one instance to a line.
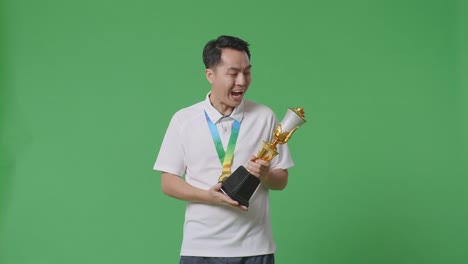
[268, 150]
[290, 134]
[282, 137]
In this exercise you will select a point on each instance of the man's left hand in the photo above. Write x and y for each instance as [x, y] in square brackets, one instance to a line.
[258, 168]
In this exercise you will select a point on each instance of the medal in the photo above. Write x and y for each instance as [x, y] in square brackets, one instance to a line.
[223, 177]
[225, 157]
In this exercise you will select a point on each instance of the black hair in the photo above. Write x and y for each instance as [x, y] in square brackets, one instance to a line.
[212, 49]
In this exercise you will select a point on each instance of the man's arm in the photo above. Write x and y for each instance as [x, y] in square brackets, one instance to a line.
[276, 179]
[174, 186]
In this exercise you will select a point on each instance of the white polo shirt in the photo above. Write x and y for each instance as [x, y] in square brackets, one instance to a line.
[188, 150]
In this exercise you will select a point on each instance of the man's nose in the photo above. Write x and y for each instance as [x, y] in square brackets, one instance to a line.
[240, 80]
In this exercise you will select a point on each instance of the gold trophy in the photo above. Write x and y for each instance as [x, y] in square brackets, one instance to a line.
[241, 185]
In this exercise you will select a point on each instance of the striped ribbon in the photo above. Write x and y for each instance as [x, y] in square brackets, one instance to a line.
[225, 157]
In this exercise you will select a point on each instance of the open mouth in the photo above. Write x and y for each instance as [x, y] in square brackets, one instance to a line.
[237, 93]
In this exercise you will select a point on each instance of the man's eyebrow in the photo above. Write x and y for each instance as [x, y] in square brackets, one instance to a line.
[237, 69]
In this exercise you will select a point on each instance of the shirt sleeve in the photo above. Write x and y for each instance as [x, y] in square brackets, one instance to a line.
[171, 157]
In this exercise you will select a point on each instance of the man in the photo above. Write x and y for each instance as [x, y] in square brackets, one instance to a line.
[217, 229]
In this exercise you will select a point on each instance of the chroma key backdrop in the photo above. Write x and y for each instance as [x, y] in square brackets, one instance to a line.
[87, 89]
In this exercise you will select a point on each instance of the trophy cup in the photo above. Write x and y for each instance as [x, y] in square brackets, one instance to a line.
[241, 185]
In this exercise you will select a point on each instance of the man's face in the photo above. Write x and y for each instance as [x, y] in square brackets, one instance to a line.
[229, 80]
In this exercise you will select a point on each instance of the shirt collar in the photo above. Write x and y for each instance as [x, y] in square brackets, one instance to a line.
[215, 116]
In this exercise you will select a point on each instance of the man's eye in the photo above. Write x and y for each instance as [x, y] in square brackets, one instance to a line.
[247, 73]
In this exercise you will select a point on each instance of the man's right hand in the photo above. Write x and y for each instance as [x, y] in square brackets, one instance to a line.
[219, 197]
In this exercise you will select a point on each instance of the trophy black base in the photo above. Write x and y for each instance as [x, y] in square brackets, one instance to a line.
[240, 186]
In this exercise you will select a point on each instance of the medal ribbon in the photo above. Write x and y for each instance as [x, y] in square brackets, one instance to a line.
[224, 157]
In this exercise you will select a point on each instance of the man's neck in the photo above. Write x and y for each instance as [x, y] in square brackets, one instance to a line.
[223, 109]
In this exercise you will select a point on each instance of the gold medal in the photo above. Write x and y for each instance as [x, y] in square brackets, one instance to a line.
[223, 177]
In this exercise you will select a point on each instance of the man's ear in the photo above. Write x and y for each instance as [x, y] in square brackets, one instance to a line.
[209, 73]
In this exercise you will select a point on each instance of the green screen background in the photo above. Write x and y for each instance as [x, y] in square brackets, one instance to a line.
[88, 88]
